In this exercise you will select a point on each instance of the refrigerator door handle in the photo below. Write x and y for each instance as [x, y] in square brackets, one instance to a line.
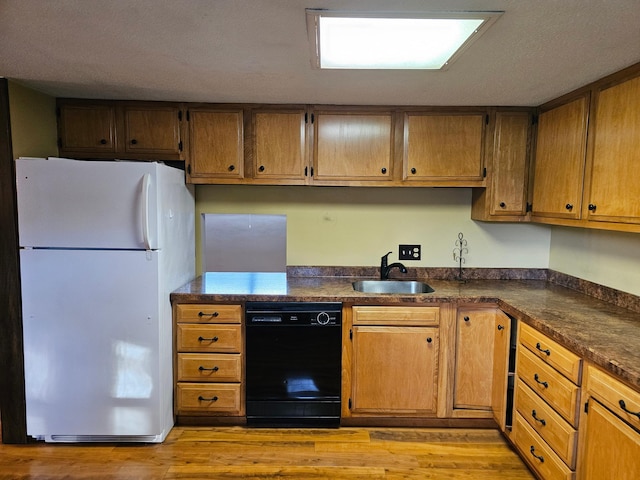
[146, 187]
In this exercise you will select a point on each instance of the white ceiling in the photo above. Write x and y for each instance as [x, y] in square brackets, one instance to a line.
[258, 51]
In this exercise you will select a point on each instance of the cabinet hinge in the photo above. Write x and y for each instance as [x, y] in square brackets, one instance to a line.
[180, 145]
[306, 118]
[486, 119]
[58, 112]
[189, 169]
[349, 404]
[586, 407]
[534, 120]
[529, 208]
[188, 116]
[312, 171]
[306, 171]
[59, 142]
[180, 115]
[312, 120]
[350, 334]
[484, 172]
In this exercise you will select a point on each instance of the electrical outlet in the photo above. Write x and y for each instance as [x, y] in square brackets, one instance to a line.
[409, 252]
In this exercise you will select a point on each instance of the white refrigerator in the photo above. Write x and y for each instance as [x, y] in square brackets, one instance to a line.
[103, 243]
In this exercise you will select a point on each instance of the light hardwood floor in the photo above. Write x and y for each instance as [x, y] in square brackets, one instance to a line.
[236, 452]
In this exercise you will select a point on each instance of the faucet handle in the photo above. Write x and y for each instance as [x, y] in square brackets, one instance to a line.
[385, 259]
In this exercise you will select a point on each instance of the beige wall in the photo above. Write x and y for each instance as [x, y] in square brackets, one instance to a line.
[608, 258]
[33, 122]
[356, 226]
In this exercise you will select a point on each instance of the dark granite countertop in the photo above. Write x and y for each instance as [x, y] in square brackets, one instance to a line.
[596, 330]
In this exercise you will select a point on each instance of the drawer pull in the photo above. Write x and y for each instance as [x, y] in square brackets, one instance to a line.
[537, 379]
[204, 399]
[202, 369]
[547, 351]
[202, 314]
[623, 406]
[542, 421]
[533, 452]
[202, 339]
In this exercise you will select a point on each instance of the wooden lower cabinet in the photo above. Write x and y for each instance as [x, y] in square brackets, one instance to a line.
[609, 429]
[390, 361]
[209, 361]
[547, 397]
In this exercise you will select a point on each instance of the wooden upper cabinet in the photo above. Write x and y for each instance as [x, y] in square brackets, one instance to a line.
[216, 145]
[447, 147]
[125, 130]
[505, 197]
[352, 145]
[280, 146]
[614, 193]
[86, 128]
[152, 130]
[560, 160]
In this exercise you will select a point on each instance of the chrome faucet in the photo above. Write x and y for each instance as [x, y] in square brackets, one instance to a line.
[385, 269]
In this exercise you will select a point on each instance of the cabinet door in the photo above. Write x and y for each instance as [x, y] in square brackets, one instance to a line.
[559, 160]
[509, 166]
[447, 147]
[352, 146]
[615, 191]
[279, 146]
[394, 370]
[216, 147]
[501, 354]
[152, 130]
[87, 128]
[611, 448]
[474, 358]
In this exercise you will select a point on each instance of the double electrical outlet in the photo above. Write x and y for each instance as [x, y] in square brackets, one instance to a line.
[409, 252]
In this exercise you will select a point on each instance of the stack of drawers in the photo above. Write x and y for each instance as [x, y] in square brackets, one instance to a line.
[546, 405]
[209, 360]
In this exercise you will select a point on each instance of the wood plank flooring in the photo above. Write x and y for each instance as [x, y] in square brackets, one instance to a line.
[252, 454]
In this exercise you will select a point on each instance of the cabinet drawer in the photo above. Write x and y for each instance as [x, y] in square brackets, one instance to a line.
[209, 338]
[537, 453]
[552, 353]
[560, 436]
[611, 392]
[225, 367]
[380, 315]
[557, 390]
[208, 313]
[209, 398]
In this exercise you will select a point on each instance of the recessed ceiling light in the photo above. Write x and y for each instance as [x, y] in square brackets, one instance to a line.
[360, 40]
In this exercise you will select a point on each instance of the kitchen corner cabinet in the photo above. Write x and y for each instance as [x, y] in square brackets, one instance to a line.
[280, 146]
[444, 147]
[123, 130]
[508, 147]
[609, 429]
[560, 160]
[613, 190]
[216, 145]
[352, 146]
[209, 361]
[391, 361]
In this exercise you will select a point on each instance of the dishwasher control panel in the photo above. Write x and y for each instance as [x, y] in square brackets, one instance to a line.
[293, 313]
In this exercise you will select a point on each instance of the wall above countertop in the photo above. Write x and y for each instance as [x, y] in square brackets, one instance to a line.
[352, 227]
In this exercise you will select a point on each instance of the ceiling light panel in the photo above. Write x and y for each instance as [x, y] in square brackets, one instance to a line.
[342, 40]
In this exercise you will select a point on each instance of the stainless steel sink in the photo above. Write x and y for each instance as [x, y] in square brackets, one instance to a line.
[391, 286]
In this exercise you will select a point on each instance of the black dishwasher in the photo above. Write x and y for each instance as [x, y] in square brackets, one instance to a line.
[293, 364]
